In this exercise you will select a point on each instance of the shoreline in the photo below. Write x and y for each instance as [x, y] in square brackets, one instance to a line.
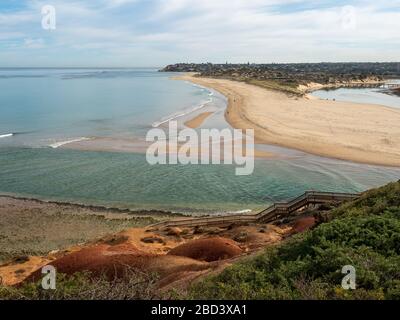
[121, 211]
[197, 121]
[311, 87]
[97, 208]
[324, 128]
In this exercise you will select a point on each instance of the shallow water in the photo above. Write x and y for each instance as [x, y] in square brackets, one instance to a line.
[361, 95]
[43, 107]
[126, 180]
[46, 107]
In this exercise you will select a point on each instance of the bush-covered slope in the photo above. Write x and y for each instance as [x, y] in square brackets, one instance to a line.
[364, 233]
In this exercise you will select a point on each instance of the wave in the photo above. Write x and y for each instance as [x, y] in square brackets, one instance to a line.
[222, 213]
[241, 211]
[210, 92]
[188, 111]
[180, 114]
[198, 86]
[202, 88]
[8, 135]
[62, 143]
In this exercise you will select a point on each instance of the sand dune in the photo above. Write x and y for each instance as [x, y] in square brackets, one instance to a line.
[349, 131]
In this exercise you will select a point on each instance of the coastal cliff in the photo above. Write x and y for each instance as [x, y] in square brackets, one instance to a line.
[299, 258]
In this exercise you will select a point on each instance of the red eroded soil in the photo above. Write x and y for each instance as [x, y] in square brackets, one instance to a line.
[113, 261]
[210, 249]
[303, 224]
[177, 260]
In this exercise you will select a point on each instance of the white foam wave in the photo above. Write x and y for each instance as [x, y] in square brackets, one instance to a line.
[231, 213]
[197, 85]
[62, 143]
[180, 114]
[8, 135]
[210, 92]
[242, 211]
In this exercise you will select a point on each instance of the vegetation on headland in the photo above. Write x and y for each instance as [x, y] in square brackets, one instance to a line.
[288, 77]
[364, 233]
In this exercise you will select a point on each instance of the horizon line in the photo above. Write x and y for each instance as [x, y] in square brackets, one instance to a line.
[154, 67]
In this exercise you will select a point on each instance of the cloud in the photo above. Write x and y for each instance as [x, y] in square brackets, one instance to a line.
[11, 19]
[34, 43]
[118, 3]
[148, 32]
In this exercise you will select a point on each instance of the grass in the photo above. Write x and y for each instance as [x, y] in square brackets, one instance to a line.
[289, 88]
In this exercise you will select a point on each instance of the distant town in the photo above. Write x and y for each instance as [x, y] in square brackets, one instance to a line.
[289, 76]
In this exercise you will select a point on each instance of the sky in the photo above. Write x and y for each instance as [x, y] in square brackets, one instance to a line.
[154, 33]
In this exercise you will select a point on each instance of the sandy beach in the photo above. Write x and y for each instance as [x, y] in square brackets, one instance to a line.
[198, 121]
[361, 133]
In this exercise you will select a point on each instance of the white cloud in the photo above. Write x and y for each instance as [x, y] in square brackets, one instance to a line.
[34, 43]
[165, 31]
[118, 3]
[12, 19]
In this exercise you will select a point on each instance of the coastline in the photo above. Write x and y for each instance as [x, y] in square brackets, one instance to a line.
[361, 133]
[125, 212]
[197, 121]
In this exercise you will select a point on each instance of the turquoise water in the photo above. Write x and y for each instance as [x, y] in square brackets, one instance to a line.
[126, 180]
[47, 106]
[44, 106]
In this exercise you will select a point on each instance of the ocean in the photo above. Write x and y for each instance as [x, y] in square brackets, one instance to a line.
[44, 109]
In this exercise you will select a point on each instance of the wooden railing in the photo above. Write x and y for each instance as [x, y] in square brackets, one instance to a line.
[275, 212]
[392, 85]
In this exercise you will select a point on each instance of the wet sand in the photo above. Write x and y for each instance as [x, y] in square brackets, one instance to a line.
[198, 120]
[132, 145]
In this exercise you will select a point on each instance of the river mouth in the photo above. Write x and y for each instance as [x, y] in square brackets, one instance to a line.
[378, 95]
[85, 105]
[125, 180]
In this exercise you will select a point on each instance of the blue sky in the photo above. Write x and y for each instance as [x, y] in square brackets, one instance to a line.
[126, 33]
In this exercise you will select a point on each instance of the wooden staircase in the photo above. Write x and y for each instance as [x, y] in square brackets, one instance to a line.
[275, 212]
